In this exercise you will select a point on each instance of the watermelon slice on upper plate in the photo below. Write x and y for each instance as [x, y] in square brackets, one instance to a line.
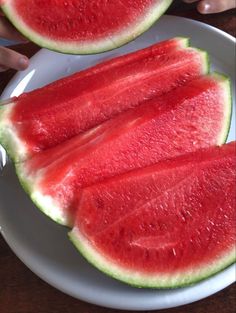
[85, 26]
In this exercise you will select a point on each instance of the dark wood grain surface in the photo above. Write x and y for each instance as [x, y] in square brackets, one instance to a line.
[21, 291]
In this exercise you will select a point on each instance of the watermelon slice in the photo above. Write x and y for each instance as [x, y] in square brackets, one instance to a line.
[190, 117]
[39, 119]
[83, 27]
[168, 225]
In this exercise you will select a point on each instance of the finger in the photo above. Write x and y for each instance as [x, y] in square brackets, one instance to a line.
[211, 6]
[3, 68]
[13, 59]
[8, 31]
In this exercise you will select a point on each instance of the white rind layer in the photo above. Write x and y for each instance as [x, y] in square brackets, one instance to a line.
[50, 207]
[227, 96]
[89, 47]
[15, 147]
[47, 204]
[152, 280]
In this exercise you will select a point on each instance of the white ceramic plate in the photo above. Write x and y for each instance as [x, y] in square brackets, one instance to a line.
[43, 245]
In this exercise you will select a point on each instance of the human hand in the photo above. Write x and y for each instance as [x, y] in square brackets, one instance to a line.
[10, 58]
[213, 6]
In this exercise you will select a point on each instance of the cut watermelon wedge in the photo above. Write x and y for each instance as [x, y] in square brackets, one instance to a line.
[83, 27]
[168, 225]
[48, 116]
[190, 117]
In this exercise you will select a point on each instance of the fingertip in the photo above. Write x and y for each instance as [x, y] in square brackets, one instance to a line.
[210, 7]
[12, 59]
[3, 68]
[23, 63]
[204, 7]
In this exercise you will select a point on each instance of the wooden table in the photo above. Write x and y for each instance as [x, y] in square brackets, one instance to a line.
[21, 291]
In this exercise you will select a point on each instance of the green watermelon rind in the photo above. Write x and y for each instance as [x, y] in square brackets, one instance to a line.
[142, 280]
[99, 46]
[227, 86]
[206, 62]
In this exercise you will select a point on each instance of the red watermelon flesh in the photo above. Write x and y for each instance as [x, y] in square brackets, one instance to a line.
[40, 118]
[193, 116]
[48, 111]
[173, 222]
[85, 26]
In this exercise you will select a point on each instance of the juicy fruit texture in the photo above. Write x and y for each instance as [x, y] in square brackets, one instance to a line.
[83, 26]
[167, 225]
[190, 117]
[39, 119]
[125, 153]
